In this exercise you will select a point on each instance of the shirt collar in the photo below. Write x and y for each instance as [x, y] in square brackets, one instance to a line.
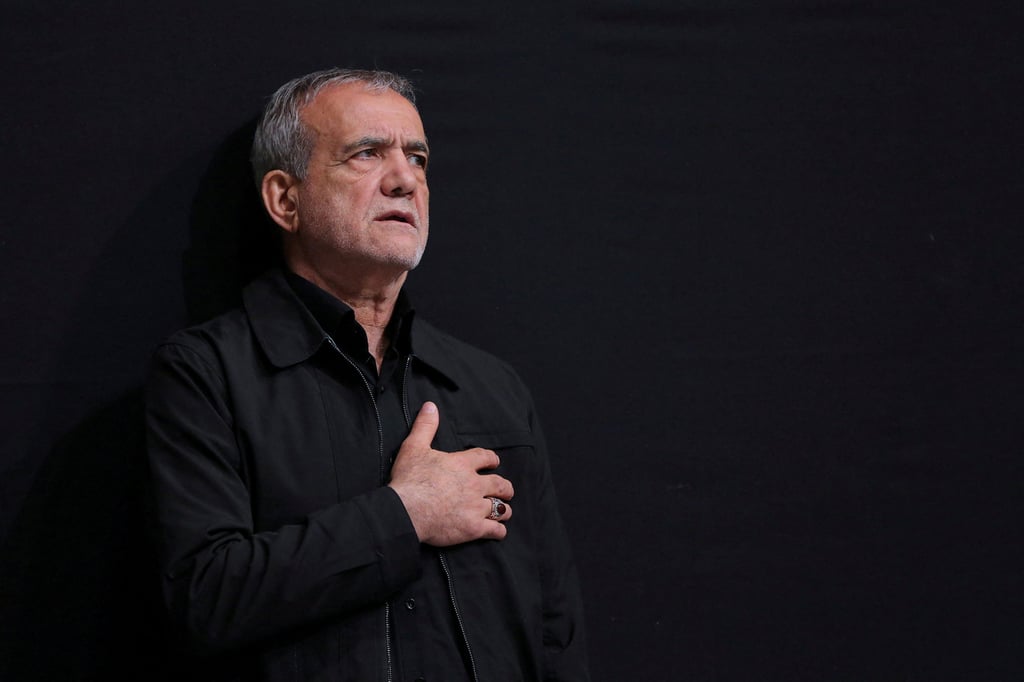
[338, 319]
[290, 332]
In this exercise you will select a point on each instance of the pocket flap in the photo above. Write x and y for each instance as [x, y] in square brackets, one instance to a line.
[497, 440]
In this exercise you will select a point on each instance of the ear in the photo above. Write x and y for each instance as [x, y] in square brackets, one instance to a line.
[278, 192]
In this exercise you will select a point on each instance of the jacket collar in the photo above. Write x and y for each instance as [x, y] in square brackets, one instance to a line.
[289, 334]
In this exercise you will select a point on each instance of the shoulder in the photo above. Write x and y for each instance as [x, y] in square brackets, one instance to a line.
[208, 353]
[233, 336]
[221, 335]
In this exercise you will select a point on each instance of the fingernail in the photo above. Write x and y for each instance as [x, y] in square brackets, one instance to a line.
[429, 408]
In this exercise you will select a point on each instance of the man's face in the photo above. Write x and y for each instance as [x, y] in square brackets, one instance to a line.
[363, 203]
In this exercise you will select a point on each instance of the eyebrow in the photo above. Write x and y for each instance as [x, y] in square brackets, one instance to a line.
[370, 141]
[418, 146]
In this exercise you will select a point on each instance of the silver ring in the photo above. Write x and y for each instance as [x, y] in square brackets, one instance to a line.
[497, 508]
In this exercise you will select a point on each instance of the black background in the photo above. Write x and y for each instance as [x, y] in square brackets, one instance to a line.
[759, 261]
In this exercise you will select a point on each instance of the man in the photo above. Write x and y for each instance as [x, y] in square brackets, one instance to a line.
[342, 492]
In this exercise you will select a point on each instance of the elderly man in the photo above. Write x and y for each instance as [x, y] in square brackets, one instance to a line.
[343, 492]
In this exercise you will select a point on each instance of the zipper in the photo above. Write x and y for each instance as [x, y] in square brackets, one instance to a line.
[458, 614]
[383, 472]
[440, 554]
[405, 392]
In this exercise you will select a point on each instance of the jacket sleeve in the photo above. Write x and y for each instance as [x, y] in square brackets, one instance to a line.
[227, 584]
[565, 655]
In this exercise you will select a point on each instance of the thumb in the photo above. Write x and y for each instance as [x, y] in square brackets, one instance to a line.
[421, 434]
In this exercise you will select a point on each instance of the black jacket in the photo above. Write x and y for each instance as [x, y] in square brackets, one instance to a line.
[280, 545]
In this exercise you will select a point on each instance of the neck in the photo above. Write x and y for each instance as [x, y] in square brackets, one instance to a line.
[372, 299]
[373, 317]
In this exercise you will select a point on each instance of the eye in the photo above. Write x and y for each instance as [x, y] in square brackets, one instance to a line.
[418, 160]
[365, 154]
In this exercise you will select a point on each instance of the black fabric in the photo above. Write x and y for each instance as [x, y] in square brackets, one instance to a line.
[278, 541]
[760, 264]
[339, 322]
[425, 634]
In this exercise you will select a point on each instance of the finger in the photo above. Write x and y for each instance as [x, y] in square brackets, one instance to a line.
[423, 429]
[492, 528]
[498, 511]
[496, 530]
[499, 486]
[484, 459]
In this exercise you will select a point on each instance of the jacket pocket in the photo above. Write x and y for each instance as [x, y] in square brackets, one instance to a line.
[519, 464]
[497, 440]
[515, 449]
[503, 577]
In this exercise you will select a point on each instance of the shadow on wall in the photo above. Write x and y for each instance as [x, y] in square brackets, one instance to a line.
[232, 238]
[81, 598]
[78, 580]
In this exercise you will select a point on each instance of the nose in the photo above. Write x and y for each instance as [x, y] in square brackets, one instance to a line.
[398, 179]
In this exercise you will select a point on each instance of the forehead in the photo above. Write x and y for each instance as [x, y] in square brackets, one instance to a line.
[351, 110]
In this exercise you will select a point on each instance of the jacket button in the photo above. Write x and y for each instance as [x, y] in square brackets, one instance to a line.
[410, 604]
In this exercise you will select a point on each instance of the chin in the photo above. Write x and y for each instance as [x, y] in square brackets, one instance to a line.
[406, 261]
[407, 258]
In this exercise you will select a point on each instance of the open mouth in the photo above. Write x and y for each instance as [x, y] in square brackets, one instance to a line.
[397, 216]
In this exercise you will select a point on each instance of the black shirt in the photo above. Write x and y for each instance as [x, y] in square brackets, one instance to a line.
[423, 625]
[280, 551]
[339, 321]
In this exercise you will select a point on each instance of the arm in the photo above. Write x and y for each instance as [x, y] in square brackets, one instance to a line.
[227, 584]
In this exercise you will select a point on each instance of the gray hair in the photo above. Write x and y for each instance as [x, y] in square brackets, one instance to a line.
[282, 140]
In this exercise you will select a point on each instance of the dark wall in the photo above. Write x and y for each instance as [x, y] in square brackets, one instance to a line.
[759, 261]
